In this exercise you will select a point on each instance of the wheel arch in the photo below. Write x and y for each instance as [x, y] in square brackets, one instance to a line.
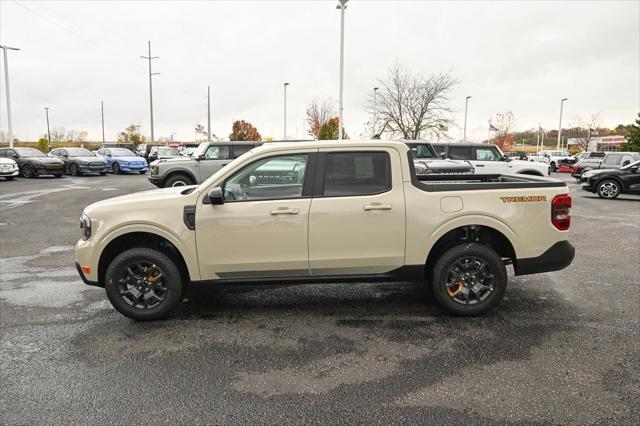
[614, 178]
[484, 234]
[155, 239]
[185, 172]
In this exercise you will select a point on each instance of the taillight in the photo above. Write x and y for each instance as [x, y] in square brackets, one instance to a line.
[561, 212]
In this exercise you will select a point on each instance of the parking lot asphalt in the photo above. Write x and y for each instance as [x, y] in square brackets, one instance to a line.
[562, 347]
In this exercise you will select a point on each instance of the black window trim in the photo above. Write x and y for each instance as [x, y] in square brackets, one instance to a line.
[318, 186]
[307, 185]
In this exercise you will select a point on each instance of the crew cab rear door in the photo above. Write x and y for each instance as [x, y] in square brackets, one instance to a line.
[357, 215]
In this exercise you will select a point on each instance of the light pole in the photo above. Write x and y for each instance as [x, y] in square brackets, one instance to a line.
[466, 107]
[151, 74]
[102, 114]
[6, 81]
[375, 111]
[208, 114]
[46, 109]
[342, 6]
[560, 125]
[284, 135]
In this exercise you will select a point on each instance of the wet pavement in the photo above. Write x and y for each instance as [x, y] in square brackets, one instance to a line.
[562, 347]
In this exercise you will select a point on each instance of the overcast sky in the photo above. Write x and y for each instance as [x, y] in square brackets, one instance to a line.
[508, 55]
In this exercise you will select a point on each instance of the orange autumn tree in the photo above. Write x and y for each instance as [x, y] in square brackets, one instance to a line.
[244, 131]
[503, 122]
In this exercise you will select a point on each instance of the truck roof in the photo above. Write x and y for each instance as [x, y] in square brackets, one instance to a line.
[356, 143]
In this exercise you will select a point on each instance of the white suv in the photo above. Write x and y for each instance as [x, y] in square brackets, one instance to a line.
[488, 159]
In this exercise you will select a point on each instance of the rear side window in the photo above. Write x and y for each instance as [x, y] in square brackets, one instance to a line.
[421, 151]
[356, 173]
[612, 159]
[459, 152]
[238, 150]
[439, 149]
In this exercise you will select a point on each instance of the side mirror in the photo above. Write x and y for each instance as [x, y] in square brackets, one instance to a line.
[634, 169]
[14, 155]
[65, 155]
[626, 163]
[505, 158]
[443, 155]
[216, 196]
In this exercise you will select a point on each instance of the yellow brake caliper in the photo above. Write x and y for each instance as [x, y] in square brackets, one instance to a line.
[455, 291]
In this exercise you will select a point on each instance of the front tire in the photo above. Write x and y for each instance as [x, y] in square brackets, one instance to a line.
[116, 168]
[103, 173]
[178, 180]
[143, 284]
[608, 189]
[142, 172]
[469, 279]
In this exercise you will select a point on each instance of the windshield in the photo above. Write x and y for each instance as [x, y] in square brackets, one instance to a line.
[79, 152]
[202, 148]
[29, 152]
[121, 152]
[634, 164]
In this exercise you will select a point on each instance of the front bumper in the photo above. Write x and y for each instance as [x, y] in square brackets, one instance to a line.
[157, 181]
[9, 173]
[588, 184]
[85, 168]
[558, 256]
[84, 278]
[48, 171]
[129, 168]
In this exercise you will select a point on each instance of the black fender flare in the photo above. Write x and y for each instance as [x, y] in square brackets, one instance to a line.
[181, 172]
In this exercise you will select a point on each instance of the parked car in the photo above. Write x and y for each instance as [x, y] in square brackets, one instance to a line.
[516, 155]
[33, 162]
[609, 183]
[161, 153]
[208, 159]
[611, 160]
[121, 160]
[571, 161]
[489, 159]
[326, 210]
[78, 161]
[553, 158]
[426, 161]
[8, 168]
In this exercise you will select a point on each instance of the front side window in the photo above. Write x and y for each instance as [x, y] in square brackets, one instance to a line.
[490, 154]
[459, 152]
[271, 178]
[421, 151]
[217, 153]
[612, 160]
[356, 173]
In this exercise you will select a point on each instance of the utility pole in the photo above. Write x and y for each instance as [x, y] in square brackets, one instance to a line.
[342, 6]
[102, 114]
[6, 81]
[538, 140]
[375, 111]
[466, 106]
[208, 114]
[151, 74]
[560, 125]
[46, 109]
[284, 136]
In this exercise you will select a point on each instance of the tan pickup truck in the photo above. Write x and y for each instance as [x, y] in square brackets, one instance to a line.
[326, 212]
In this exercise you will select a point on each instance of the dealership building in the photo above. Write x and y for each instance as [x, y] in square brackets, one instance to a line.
[602, 143]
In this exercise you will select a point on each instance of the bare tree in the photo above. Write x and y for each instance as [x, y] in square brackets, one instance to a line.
[76, 136]
[4, 137]
[503, 122]
[585, 129]
[414, 106]
[58, 134]
[318, 114]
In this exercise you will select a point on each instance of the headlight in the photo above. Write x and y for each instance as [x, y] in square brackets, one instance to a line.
[155, 170]
[85, 226]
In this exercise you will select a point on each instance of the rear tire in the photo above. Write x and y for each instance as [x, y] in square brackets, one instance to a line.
[553, 166]
[490, 281]
[126, 297]
[609, 189]
[178, 180]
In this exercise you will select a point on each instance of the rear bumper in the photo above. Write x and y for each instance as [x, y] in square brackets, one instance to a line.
[558, 256]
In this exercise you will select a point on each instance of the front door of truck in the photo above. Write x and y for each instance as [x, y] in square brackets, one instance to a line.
[357, 216]
[261, 229]
[487, 160]
[213, 159]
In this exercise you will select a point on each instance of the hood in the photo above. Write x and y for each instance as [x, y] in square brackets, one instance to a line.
[129, 159]
[7, 161]
[173, 160]
[87, 159]
[139, 200]
[45, 160]
[599, 171]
